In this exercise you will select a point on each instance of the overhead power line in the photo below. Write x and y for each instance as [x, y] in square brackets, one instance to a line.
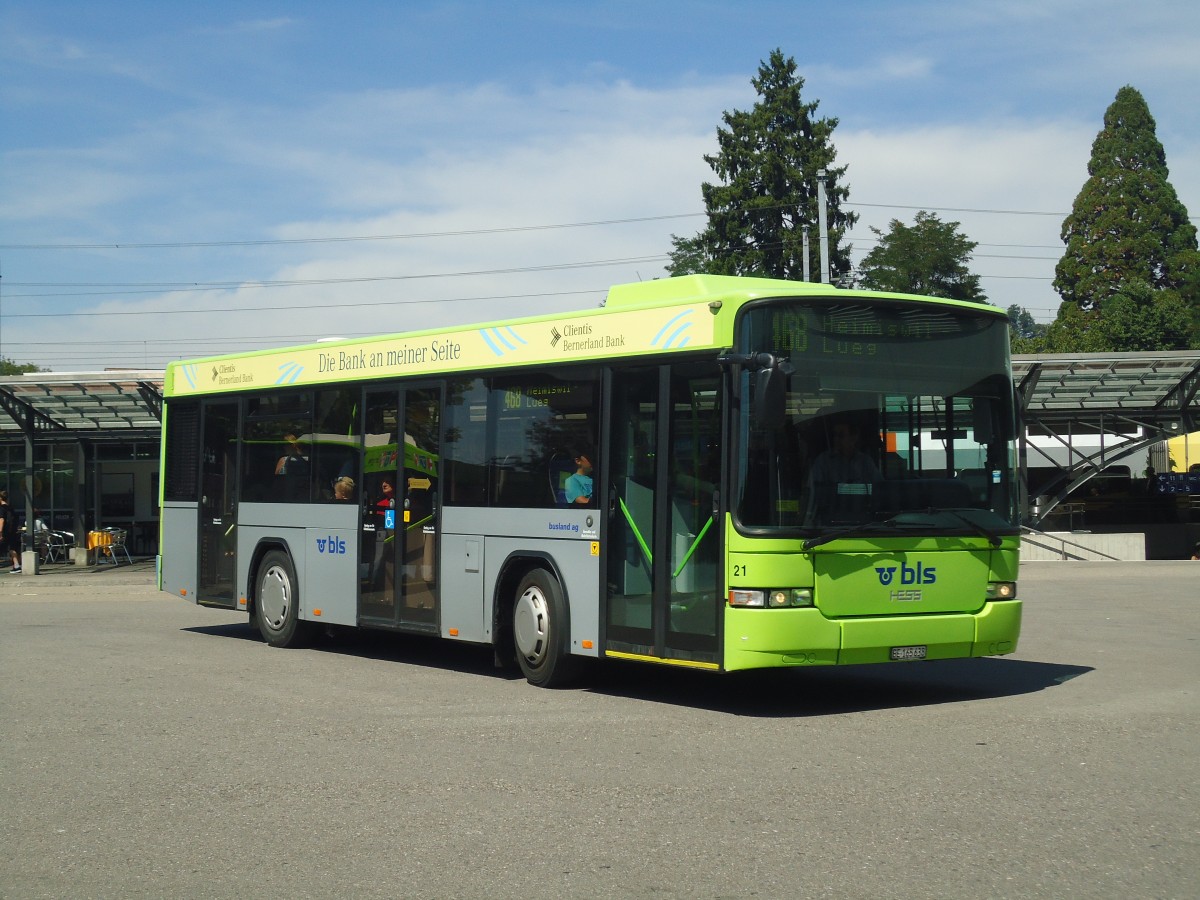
[191, 286]
[291, 306]
[510, 229]
[469, 232]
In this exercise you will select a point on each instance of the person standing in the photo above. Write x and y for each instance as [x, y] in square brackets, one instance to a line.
[10, 536]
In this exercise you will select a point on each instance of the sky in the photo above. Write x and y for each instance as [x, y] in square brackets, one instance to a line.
[182, 180]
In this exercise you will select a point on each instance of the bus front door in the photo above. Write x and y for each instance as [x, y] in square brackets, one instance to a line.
[661, 466]
[399, 537]
[218, 505]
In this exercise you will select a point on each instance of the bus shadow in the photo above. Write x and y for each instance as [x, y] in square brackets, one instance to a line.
[763, 693]
[397, 647]
[772, 693]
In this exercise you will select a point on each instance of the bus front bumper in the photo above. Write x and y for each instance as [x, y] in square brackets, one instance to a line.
[773, 638]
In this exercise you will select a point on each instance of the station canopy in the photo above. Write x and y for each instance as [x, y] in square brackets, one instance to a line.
[1153, 390]
[113, 404]
[1122, 402]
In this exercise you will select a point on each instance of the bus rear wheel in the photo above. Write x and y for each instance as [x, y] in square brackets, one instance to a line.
[277, 602]
[540, 631]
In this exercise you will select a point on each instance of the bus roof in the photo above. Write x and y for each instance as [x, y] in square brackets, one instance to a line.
[666, 315]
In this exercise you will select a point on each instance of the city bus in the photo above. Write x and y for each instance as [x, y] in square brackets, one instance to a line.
[781, 474]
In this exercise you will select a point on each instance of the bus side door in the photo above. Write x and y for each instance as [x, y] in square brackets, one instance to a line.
[662, 471]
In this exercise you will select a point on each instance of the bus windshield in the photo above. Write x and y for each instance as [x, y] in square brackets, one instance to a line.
[879, 418]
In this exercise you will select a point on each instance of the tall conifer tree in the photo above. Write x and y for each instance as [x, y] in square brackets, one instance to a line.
[1128, 231]
[767, 164]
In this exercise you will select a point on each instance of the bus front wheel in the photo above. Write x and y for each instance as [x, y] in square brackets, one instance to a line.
[540, 631]
[277, 602]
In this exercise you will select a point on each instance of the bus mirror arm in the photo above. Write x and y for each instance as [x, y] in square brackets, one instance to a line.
[751, 361]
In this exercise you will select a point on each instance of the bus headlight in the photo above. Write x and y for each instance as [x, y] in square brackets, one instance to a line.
[771, 598]
[802, 597]
[1001, 590]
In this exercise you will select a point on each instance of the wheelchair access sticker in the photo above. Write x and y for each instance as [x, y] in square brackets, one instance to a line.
[389, 519]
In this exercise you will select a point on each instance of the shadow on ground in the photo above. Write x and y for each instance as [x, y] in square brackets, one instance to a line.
[764, 693]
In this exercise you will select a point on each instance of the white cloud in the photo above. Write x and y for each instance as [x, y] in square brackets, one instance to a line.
[445, 160]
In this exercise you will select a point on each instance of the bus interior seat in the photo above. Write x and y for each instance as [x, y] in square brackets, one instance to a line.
[560, 467]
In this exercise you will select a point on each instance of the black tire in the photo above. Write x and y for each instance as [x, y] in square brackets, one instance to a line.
[541, 631]
[277, 602]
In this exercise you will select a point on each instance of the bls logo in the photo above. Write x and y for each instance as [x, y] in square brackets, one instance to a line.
[919, 574]
[331, 545]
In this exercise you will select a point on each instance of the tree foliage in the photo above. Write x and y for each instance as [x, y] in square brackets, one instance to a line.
[8, 367]
[1027, 333]
[929, 257]
[1138, 319]
[1128, 238]
[767, 164]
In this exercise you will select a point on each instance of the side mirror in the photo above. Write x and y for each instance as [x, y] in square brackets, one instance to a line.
[770, 394]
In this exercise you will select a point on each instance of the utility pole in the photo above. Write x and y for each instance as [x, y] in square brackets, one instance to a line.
[823, 225]
[807, 267]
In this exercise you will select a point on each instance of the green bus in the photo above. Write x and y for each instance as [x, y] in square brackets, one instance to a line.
[782, 474]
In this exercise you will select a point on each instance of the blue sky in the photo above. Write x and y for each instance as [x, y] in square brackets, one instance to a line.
[180, 180]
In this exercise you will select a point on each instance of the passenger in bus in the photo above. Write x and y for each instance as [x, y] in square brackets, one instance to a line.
[294, 461]
[382, 565]
[578, 487]
[841, 478]
[343, 488]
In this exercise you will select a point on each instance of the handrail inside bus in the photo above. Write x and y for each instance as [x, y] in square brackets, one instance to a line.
[692, 549]
[637, 534]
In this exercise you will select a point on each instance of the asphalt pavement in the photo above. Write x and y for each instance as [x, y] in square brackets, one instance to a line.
[152, 748]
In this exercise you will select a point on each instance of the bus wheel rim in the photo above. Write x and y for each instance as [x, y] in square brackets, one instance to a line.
[275, 597]
[531, 625]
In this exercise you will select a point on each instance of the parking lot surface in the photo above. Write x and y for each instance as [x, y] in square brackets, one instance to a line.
[153, 748]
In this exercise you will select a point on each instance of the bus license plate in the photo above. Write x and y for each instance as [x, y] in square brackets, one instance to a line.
[902, 653]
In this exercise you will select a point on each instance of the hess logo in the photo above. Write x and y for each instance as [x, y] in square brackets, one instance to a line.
[919, 574]
[331, 545]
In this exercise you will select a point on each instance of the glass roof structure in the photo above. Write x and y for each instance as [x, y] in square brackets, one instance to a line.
[1157, 390]
[75, 405]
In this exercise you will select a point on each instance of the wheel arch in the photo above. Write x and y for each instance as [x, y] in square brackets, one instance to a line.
[261, 549]
[516, 566]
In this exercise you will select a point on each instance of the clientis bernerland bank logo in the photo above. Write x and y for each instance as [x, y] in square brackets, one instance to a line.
[918, 574]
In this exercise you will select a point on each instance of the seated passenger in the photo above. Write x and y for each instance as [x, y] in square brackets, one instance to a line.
[579, 486]
[343, 488]
[841, 478]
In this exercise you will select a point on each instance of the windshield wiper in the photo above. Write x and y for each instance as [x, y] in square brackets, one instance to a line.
[861, 528]
[992, 537]
[898, 522]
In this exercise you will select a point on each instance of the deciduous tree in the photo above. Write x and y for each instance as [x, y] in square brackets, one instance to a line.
[929, 257]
